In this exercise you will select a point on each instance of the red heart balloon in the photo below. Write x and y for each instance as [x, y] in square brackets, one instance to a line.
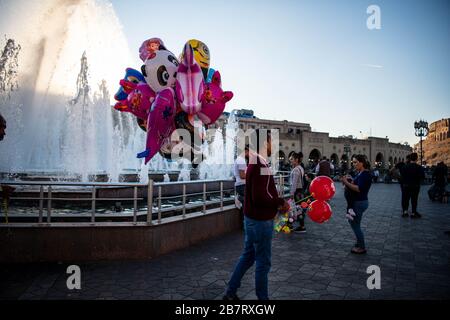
[319, 211]
[322, 188]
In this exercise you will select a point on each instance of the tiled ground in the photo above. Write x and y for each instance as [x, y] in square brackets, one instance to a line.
[413, 256]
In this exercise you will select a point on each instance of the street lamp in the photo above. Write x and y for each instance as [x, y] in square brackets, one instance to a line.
[421, 128]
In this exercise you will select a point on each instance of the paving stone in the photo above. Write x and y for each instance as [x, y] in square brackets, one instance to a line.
[413, 255]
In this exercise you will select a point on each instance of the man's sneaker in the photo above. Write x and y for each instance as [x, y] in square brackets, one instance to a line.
[416, 215]
[405, 214]
[230, 297]
[300, 229]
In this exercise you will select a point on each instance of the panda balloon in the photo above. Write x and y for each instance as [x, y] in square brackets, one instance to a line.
[160, 71]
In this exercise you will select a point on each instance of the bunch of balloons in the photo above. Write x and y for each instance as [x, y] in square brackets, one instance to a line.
[168, 94]
[284, 218]
[321, 189]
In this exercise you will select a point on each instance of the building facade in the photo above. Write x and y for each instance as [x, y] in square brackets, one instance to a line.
[296, 136]
[436, 146]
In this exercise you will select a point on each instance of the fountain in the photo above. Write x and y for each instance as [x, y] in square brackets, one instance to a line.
[58, 68]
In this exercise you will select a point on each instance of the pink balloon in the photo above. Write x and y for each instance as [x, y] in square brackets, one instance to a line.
[160, 123]
[140, 100]
[214, 99]
[189, 85]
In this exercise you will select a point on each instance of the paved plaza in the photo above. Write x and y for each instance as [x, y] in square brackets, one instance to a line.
[413, 256]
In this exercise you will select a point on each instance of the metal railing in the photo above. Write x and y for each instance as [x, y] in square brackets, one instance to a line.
[48, 188]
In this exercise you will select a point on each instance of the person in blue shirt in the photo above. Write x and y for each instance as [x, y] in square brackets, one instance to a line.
[359, 188]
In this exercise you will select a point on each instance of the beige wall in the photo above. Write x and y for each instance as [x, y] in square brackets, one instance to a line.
[301, 138]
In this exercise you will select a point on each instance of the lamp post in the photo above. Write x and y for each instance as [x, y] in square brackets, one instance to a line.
[421, 128]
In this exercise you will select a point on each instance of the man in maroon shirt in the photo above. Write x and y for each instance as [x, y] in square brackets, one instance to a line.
[260, 207]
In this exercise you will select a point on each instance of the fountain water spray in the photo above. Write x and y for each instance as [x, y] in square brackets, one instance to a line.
[58, 107]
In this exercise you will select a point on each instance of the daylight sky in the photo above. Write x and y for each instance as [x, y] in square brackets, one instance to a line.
[315, 61]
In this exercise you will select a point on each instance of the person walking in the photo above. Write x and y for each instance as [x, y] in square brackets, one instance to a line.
[396, 174]
[359, 188]
[324, 168]
[412, 176]
[260, 207]
[297, 179]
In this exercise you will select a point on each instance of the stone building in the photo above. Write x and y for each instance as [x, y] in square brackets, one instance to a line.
[436, 146]
[297, 136]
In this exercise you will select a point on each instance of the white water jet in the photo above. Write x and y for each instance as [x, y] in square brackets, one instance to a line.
[58, 105]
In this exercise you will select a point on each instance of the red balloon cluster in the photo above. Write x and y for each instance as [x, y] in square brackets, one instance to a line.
[322, 189]
[319, 211]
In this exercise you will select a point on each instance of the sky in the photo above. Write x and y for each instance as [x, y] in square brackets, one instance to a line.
[315, 61]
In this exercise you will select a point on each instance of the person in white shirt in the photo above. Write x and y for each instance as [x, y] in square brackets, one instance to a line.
[297, 177]
[240, 167]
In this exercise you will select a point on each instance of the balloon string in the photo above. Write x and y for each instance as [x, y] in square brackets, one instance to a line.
[301, 200]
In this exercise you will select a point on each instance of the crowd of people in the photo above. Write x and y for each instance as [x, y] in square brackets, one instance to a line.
[255, 187]
[261, 201]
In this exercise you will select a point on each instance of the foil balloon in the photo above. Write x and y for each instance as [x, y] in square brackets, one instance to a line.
[201, 55]
[150, 46]
[132, 77]
[160, 70]
[210, 75]
[214, 99]
[322, 188]
[281, 220]
[160, 123]
[189, 83]
[319, 211]
[140, 100]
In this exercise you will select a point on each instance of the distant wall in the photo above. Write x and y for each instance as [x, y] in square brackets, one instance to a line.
[67, 242]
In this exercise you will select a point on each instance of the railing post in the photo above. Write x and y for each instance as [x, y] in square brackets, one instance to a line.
[184, 200]
[149, 201]
[135, 194]
[221, 195]
[93, 205]
[41, 203]
[159, 204]
[204, 197]
[49, 203]
[279, 185]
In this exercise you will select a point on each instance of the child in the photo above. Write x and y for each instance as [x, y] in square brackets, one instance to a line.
[348, 194]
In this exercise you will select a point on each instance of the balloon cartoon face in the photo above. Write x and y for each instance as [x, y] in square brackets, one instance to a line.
[149, 46]
[201, 55]
[127, 84]
[160, 70]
